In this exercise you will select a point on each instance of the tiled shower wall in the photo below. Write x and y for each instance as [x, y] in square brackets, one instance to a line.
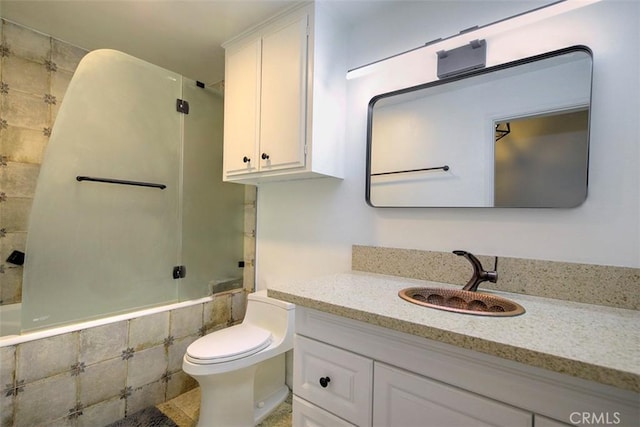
[250, 210]
[35, 71]
[96, 376]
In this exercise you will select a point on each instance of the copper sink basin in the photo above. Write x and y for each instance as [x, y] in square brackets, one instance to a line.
[460, 301]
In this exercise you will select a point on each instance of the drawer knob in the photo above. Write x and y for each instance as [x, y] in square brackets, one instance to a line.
[324, 381]
[265, 156]
[245, 159]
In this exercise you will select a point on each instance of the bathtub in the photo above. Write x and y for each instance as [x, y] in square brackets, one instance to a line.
[9, 320]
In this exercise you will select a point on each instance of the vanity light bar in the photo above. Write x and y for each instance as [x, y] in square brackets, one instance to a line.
[478, 32]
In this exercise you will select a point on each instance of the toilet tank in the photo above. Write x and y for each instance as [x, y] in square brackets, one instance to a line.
[269, 313]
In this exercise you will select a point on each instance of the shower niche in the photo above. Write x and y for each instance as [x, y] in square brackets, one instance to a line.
[130, 210]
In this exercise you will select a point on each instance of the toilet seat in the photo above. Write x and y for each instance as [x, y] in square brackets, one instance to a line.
[228, 344]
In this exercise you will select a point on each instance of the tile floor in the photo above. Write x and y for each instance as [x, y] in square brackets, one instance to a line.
[184, 409]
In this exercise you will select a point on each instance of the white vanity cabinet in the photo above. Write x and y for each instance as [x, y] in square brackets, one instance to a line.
[306, 414]
[284, 91]
[331, 378]
[402, 398]
[347, 372]
[330, 382]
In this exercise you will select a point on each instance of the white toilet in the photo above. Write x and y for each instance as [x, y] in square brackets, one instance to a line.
[241, 369]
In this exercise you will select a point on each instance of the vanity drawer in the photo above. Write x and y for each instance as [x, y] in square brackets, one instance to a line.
[306, 414]
[334, 379]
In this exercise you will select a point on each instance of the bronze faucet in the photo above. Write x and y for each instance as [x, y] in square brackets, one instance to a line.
[479, 274]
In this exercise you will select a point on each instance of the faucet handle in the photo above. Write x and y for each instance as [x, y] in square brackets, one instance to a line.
[479, 274]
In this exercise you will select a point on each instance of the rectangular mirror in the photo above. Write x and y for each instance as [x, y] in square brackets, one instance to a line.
[512, 135]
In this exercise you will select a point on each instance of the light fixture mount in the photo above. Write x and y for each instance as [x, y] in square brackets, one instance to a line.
[463, 59]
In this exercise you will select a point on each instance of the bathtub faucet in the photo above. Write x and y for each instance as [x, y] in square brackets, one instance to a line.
[479, 274]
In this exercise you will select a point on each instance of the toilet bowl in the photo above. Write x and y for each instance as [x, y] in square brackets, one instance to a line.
[241, 369]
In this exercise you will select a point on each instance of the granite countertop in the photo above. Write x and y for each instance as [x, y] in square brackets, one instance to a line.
[592, 342]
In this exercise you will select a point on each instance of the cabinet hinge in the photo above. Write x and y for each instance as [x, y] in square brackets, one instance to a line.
[182, 106]
[179, 271]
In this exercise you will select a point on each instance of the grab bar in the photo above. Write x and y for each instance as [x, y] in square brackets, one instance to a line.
[444, 168]
[122, 182]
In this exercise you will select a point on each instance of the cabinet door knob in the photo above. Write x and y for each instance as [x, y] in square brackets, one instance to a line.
[265, 156]
[245, 159]
[324, 381]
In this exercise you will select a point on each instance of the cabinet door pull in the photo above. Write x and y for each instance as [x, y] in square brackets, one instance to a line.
[324, 381]
[245, 159]
[265, 156]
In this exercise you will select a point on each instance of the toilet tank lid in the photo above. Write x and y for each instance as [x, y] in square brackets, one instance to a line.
[234, 341]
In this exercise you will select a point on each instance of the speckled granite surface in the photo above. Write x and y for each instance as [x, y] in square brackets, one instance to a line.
[592, 284]
[592, 342]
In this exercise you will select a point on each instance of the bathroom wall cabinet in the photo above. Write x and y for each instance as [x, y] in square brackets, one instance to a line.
[348, 373]
[284, 90]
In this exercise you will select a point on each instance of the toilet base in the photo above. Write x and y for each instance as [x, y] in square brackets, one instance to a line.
[261, 410]
[265, 407]
[227, 399]
[244, 397]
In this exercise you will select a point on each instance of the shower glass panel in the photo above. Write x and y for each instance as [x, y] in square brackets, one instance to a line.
[101, 248]
[212, 210]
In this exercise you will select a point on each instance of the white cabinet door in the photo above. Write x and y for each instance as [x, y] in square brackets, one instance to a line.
[333, 379]
[405, 399]
[284, 96]
[285, 93]
[306, 414]
[242, 108]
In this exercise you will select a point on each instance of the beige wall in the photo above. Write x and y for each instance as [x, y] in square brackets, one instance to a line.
[313, 224]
